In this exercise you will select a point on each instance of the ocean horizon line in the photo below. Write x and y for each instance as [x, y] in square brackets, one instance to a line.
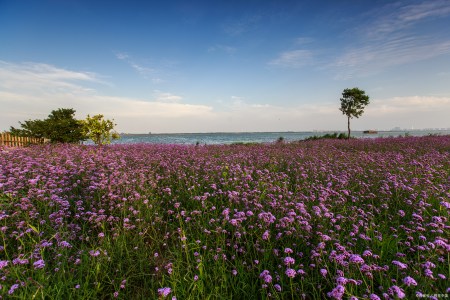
[287, 131]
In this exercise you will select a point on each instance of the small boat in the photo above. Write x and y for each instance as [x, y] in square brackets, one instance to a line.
[370, 131]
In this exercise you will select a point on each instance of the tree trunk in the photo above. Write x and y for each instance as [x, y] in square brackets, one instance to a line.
[348, 125]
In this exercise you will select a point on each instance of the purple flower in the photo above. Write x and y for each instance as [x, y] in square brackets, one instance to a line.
[323, 272]
[19, 261]
[400, 265]
[265, 275]
[65, 244]
[94, 253]
[337, 292]
[341, 280]
[301, 272]
[409, 281]
[164, 292]
[13, 288]
[277, 287]
[374, 297]
[3, 263]
[122, 284]
[428, 273]
[288, 250]
[40, 264]
[268, 278]
[290, 273]
[289, 261]
[397, 291]
[356, 259]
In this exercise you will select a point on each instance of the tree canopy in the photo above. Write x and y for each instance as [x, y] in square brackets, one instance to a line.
[59, 127]
[62, 127]
[99, 130]
[353, 102]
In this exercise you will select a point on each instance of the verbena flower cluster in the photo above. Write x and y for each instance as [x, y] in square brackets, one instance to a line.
[359, 219]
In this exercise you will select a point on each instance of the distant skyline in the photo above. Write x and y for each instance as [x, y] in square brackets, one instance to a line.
[226, 66]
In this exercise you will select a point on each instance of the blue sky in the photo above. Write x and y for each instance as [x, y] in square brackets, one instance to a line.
[208, 66]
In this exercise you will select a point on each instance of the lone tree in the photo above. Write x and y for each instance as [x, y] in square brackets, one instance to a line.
[99, 130]
[353, 102]
[59, 127]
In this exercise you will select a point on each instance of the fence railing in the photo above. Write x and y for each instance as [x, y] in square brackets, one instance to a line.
[6, 139]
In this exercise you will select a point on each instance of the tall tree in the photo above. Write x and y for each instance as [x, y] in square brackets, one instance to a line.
[59, 127]
[99, 130]
[30, 128]
[353, 102]
[63, 127]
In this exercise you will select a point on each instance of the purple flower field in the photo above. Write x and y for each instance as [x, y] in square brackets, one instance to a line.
[327, 219]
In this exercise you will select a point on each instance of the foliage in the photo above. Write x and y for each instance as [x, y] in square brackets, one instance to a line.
[333, 135]
[59, 127]
[363, 219]
[31, 128]
[353, 102]
[99, 130]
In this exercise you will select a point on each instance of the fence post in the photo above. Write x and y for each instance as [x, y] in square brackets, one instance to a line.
[8, 140]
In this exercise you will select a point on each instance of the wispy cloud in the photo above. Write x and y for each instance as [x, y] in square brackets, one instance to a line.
[408, 112]
[391, 39]
[242, 25]
[402, 15]
[410, 104]
[32, 90]
[300, 41]
[293, 59]
[139, 68]
[375, 57]
[167, 97]
[222, 48]
[121, 55]
[37, 75]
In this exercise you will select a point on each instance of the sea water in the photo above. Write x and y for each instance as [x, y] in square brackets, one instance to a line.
[253, 137]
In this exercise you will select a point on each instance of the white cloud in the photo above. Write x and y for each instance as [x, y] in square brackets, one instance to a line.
[399, 16]
[222, 48]
[121, 55]
[24, 94]
[30, 91]
[29, 77]
[139, 68]
[374, 57]
[427, 9]
[303, 41]
[167, 97]
[242, 25]
[389, 39]
[409, 104]
[293, 59]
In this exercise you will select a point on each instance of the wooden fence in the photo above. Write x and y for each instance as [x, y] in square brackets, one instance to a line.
[6, 139]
